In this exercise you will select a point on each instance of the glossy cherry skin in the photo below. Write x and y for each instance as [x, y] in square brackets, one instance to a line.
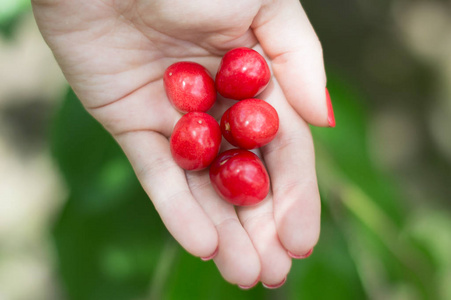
[250, 123]
[239, 177]
[189, 87]
[243, 73]
[195, 141]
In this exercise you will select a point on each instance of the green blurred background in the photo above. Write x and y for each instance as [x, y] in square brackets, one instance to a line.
[75, 224]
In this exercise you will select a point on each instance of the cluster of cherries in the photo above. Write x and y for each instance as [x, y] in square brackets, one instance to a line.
[237, 175]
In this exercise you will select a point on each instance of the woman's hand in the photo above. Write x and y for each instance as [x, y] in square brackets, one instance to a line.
[114, 54]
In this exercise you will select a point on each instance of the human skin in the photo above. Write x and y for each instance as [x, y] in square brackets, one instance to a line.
[114, 53]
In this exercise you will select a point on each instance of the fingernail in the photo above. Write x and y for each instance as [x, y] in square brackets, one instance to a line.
[300, 256]
[246, 287]
[276, 286]
[330, 110]
[211, 256]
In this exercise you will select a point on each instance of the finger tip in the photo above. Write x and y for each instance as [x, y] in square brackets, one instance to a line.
[274, 286]
[245, 279]
[316, 108]
[247, 287]
[204, 245]
[299, 243]
[211, 256]
[300, 256]
[275, 267]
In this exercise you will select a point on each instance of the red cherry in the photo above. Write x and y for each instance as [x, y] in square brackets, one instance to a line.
[250, 124]
[243, 73]
[239, 177]
[189, 87]
[195, 141]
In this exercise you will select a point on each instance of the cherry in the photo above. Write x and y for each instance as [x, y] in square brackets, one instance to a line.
[189, 87]
[239, 177]
[195, 141]
[250, 123]
[243, 73]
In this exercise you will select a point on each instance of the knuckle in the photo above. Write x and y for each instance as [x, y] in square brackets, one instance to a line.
[155, 167]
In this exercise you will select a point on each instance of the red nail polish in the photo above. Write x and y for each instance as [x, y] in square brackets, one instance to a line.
[330, 110]
[245, 287]
[300, 256]
[276, 286]
[211, 256]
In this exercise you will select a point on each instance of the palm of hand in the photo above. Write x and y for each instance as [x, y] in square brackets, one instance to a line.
[114, 56]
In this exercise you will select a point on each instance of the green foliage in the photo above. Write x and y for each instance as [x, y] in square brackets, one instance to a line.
[109, 238]
[112, 245]
[10, 13]
[366, 206]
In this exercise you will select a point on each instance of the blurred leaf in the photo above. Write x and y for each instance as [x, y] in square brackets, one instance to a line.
[10, 12]
[347, 146]
[366, 205]
[330, 272]
[433, 228]
[92, 163]
[194, 279]
[110, 254]
[109, 237]
[11, 8]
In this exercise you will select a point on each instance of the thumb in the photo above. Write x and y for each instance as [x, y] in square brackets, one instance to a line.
[288, 39]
